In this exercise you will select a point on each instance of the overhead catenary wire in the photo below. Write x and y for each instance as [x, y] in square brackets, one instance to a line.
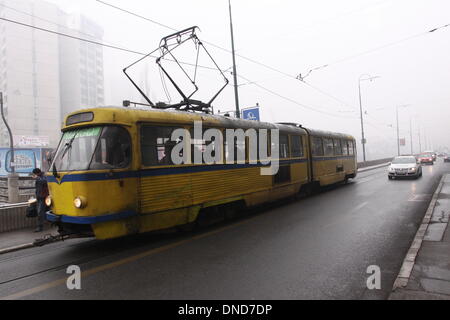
[228, 51]
[95, 42]
[296, 77]
[49, 21]
[390, 44]
[149, 55]
[294, 101]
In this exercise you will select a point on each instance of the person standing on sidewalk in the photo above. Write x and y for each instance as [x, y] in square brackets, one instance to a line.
[41, 194]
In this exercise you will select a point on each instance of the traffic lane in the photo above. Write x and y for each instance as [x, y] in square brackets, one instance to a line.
[24, 263]
[300, 250]
[33, 263]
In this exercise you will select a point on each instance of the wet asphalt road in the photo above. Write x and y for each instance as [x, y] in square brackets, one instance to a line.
[314, 248]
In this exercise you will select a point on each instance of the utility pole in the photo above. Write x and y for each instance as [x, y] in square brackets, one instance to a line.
[398, 135]
[363, 139]
[398, 129]
[11, 143]
[411, 135]
[420, 142]
[236, 95]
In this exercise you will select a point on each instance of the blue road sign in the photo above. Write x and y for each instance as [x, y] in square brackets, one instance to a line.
[251, 114]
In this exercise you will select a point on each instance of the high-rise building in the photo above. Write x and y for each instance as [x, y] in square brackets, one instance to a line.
[44, 76]
[29, 70]
[81, 66]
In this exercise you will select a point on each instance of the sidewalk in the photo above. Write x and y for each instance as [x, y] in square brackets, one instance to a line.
[22, 237]
[425, 273]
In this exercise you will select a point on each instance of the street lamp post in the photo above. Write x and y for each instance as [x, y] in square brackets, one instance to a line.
[236, 94]
[420, 142]
[398, 129]
[411, 135]
[363, 140]
[13, 178]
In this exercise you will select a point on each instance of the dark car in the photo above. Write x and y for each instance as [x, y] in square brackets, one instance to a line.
[446, 158]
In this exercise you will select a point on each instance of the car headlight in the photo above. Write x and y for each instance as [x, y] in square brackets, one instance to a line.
[80, 202]
[412, 169]
[391, 169]
[48, 201]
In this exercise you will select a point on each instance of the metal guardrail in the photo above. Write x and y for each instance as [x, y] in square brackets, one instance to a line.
[373, 162]
[26, 188]
[12, 217]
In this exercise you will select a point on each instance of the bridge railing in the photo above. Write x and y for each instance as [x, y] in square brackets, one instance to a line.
[26, 189]
[374, 162]
[12, 217]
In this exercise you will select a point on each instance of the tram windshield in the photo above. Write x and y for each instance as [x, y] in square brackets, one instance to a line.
[93, 148]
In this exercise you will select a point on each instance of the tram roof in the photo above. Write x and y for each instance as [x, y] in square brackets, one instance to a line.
[114, 114]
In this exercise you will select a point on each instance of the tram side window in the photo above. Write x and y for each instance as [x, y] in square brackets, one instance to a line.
[240, 150]
[350, 148]
[297, 146]
[317, 146]
[337, 147]
[199, 146]
[156, 146]
[284, 146]
[113, 149]
[344, 148]
[328, 147]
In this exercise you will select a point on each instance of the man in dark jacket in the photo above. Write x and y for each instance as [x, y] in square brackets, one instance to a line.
[41, 194]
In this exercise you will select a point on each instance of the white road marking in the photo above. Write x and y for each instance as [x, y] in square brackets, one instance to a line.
[362, 205]
[357, 208]
[420, 198]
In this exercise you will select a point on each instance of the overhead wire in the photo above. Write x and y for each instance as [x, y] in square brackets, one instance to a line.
[144, 54]
[94, 42]
[282, 72]
[228, 51]
[294, 101]
[375, 49]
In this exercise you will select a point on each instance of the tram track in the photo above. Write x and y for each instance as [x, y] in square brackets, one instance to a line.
[136, 244]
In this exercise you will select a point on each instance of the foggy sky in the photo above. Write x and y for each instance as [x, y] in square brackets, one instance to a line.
[294, 37]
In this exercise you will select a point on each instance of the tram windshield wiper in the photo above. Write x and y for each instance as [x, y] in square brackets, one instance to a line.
[67, 146]
[55, 172]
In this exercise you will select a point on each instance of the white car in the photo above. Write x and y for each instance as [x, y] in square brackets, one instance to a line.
[404, 166]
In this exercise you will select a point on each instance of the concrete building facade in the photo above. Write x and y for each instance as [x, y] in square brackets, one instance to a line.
[44, 76]
[81, 66]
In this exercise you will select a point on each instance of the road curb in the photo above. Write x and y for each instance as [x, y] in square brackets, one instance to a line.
[16, 248]
[408, 263]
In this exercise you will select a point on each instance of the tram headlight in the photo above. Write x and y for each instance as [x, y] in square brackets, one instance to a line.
[80, 202]
[48, 201]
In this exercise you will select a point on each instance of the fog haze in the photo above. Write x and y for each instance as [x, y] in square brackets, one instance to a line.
[294, 37]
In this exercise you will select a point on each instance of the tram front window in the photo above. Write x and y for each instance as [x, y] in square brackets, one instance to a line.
[93, 148]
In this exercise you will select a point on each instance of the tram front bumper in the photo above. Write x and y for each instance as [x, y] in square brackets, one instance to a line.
[56, 218]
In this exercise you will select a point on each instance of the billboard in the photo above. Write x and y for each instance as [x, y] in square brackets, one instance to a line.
[31, 141]
[251, 113]
[25, 160]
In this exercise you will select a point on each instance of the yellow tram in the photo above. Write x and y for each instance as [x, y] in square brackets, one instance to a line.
[110, 176]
